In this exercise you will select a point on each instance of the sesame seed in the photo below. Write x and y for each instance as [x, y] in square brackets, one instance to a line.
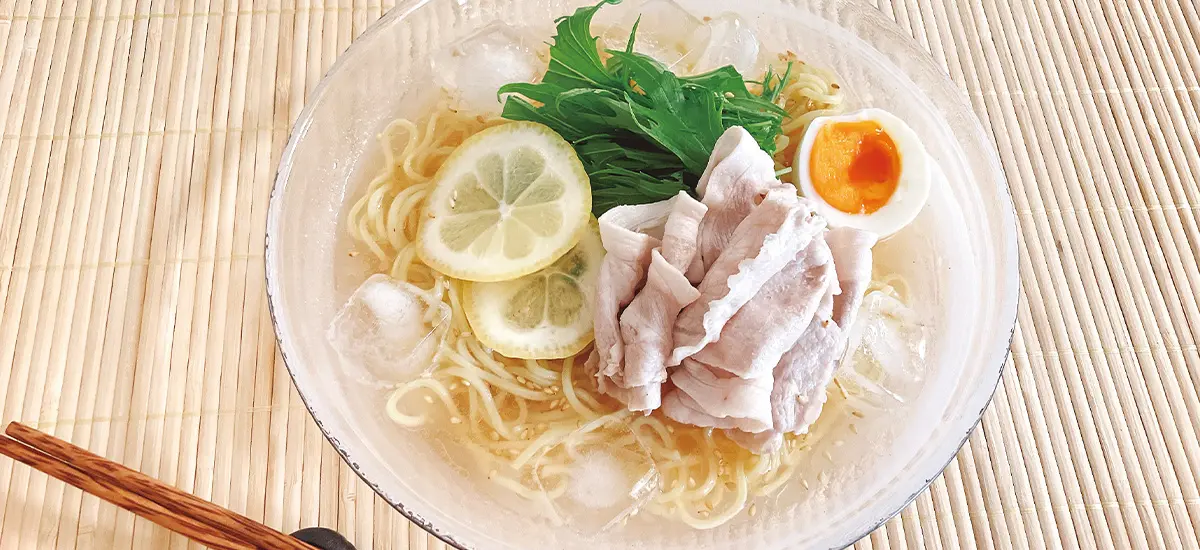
[691, 483]
[522, 380]
[428, 399]
[804, 482]
[853, 428]
[858, 414]
[753, 511]
[455, 420]
[838, 443]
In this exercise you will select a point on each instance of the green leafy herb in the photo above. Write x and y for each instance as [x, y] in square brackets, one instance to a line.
[642, 132]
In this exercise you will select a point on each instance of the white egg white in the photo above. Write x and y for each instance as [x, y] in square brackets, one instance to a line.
[912, 190]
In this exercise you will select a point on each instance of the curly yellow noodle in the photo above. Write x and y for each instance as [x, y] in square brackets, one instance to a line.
[590, 400]
[707, 520]
[561, 434]
[423, 383]
[410, 160]
[569, 394]
[478, 377]
[522, 410]
[655, 425]
[810, 93]
[400, 227]
[537, 373]
[362, 229]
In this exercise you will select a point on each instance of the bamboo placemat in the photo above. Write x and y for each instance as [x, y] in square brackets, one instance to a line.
[140, 139]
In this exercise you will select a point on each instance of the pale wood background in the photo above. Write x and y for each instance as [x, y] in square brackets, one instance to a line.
[140, 139]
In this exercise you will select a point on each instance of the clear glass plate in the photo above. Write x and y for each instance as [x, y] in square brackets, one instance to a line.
[960, 257]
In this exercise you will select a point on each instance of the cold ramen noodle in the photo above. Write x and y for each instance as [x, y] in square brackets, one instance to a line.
[638, 287]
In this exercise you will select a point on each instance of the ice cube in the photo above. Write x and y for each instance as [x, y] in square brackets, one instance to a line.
[666, 31]
[389, 331]
[598, 480]
[474, 68]
[605, 482]
[731, 41]
[886, 359]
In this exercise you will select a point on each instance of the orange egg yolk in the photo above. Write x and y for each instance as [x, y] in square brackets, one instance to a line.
[854, 166]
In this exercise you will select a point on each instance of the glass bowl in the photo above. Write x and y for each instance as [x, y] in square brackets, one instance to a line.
[960, 257]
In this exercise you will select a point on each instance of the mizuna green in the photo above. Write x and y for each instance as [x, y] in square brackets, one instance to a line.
[642, 132]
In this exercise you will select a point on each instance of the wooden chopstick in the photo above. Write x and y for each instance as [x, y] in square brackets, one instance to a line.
[158, 502]
[185, 526]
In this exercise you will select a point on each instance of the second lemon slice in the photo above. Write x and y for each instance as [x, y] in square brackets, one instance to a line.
[544, 315]
[508, 202]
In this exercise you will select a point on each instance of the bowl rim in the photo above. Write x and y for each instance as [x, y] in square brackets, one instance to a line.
[1008, 256]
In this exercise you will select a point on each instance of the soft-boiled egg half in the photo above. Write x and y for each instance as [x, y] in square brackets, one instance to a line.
[867, 170]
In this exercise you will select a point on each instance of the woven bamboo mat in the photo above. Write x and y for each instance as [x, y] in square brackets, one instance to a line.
[140, 139]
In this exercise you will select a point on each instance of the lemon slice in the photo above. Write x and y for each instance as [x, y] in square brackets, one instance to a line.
[507, 202]
[544, 315]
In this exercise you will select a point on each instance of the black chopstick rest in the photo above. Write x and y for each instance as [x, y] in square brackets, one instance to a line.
[325, 539]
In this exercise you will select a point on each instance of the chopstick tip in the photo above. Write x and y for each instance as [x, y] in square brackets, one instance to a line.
[13, 428]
